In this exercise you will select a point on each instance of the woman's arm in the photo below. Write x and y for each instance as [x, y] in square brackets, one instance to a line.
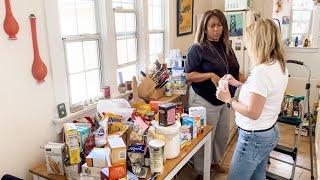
[242, 78]
[200, 77]
[254, 108]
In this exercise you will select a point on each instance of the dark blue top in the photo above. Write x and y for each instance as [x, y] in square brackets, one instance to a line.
[203, 60]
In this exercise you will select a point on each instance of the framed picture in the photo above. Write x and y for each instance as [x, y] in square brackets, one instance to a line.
[184, 17]
[235, 22]
[285, 20]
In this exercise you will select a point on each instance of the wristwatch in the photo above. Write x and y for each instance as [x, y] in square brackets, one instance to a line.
[229, 103]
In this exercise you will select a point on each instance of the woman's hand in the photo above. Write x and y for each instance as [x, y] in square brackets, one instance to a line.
[231, 80]
[223, 94]
[215, 79]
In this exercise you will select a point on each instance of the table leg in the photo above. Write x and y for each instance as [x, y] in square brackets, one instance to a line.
[207, 157]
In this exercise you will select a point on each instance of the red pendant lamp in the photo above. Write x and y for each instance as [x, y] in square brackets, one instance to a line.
[39, 69]
[10, 25]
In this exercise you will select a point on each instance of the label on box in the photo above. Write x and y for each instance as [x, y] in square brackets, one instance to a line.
[90, 171]
[54, 158]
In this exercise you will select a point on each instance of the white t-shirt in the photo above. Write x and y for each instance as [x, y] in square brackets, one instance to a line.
[270, 82]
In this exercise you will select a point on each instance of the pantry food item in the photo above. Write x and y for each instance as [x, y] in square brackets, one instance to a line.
[54, 153]
[90, 171]
[189, 121]
[167, 114]
[156, 150]
[118, 150]
[72, 141]
[72, 170]
[185, 135]
[136, 154]
[201, 111]
[97, 158]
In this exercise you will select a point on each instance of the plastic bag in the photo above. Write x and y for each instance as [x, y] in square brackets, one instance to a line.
[116, 106]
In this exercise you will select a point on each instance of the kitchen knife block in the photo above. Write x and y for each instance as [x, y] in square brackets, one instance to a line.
[147, 90]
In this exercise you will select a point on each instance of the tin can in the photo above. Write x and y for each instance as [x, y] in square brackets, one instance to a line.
[106, 90]
[156, 150]
[167, 89]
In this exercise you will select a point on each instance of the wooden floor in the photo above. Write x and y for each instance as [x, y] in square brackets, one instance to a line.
[279, 168]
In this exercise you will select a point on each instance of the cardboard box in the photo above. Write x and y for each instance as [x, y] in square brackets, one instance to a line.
[54, 153]
[72, 141]
[97, 158]
[189, 121]
[118, 150]
[167, 114]
[114, 172]
[84, 132]
[201, 111]
[90, 171]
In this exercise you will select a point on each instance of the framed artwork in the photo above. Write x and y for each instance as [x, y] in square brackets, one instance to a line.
[235, 24]
[285, 20]
[184, 17]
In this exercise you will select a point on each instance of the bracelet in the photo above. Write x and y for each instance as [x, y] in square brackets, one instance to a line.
[229, 103]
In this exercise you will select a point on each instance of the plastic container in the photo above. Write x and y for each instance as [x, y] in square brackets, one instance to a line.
[172, 135]
[116, 106]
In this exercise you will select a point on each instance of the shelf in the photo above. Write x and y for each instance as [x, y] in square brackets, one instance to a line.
[302, 49]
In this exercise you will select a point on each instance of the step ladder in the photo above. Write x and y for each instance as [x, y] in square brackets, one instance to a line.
[297, 122]
[290, 151]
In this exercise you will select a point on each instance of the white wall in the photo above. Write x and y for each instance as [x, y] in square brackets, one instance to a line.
[26, 107]
[184, 42]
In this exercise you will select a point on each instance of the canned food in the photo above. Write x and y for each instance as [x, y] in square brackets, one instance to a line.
[167, 89]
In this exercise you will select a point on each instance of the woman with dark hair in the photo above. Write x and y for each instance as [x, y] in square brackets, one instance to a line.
[210, 58]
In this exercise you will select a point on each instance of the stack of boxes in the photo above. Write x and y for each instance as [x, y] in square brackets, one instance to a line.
[95, 161]
[116, 160]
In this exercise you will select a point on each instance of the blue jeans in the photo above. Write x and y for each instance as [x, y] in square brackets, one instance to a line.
[251, 155]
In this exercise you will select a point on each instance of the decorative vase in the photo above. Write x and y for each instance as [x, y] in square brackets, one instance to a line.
[10, 25]
[39, 69]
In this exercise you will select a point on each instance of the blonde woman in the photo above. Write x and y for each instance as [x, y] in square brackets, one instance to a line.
[259, 102]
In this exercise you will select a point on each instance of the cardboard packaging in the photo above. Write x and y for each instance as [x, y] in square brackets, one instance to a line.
[72, 141]
[201, 111]
[84, 132]
[118, 150]
[54, 153]
[113, 172]
[97, 158]
[90, 171]
[167, 114]
[189, 121]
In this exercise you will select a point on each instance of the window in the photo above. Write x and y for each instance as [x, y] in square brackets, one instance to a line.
[126, 38]
[301, 18]
[156, 28]
[79, 30]
[94, 43]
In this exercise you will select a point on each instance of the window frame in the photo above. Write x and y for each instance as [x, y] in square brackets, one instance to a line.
[82, 38]
[157, 31]
[309, 24]
[107, 45]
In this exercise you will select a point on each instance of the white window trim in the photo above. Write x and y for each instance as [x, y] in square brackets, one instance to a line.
[109, 64]
[165, 31]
